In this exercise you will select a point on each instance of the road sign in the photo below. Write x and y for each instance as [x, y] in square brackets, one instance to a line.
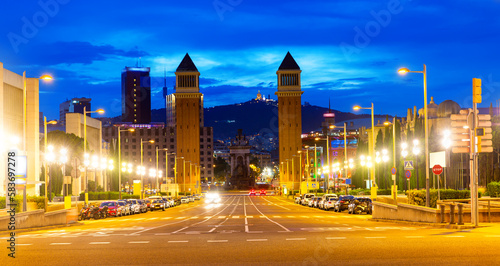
[314, 185]
[393, 170]
[408, 174]
[409, 165]
[437, 169]
[348, 181]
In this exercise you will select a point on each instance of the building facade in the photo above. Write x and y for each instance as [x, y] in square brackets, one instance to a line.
[136, 95]
[75, 105]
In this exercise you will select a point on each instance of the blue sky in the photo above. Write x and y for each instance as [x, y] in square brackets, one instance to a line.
[349, 51]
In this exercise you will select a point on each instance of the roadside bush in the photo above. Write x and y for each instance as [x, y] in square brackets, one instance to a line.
[40, 201]
[418, 197]
[383, 192]
[129, 196]
[18, 200]
[493, 189]
[359, 192]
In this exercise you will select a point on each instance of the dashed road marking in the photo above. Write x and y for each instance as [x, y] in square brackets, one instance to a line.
[217, 241]
[178, 241]
[221, 217]
[24, 244]
[335, 238]
[59, 244]
[295, 239]
[276, 216]
[256, 240]
[166, 218]
[454, 236]
[162, 234]
[249, 216]
[138, 242]
[99, 243]
[235, 217]
[180, 218]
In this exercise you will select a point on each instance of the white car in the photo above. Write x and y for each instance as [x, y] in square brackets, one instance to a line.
[184, 200]
[212, 198]
[306, 198]
[321, 203]
[329, 203]
[135, 207]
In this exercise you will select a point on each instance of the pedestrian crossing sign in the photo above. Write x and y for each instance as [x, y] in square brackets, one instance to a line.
[409, 165]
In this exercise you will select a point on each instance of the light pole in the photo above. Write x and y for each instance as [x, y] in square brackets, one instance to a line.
[394, 156]
[45, 123]
[300, 171]
[446, 144]
[404, 153]
[416, 152]
[373, 185]
[142, 156]
[184, 176]
[85, 112]
[403, 71]
[120, 158]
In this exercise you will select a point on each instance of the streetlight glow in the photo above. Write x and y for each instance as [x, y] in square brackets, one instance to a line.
[403, 71]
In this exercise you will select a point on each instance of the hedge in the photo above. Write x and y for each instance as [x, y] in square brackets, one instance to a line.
[417, 197]
[18, 199]
[493, 189]
[40, 201]
[110, 195]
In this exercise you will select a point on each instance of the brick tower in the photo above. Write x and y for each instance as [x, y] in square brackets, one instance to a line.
[187, 103]
[290, 120]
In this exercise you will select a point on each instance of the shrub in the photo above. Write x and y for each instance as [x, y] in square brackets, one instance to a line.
[129, 196]
[359, 192]
[493, 189]
[418, 197]
[18, 199]
[40, 201]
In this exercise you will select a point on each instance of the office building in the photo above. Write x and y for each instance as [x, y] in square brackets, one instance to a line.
[136, 95]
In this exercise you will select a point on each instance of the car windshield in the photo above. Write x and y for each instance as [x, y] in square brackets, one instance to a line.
[309, 196]
[331, 198]
[133, 201]
[184, 198]
[121, 203]
[109, 204]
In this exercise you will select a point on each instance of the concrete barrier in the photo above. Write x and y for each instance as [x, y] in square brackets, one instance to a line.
[36, 218]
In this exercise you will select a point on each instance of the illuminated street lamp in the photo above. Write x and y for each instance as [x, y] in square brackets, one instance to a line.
[373, 185]
[120, 158]
[142, 174]
[416, 152]
[403, 71]
[85, 112]
[45, 123]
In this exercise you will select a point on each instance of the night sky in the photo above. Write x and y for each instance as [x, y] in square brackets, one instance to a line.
[349, 51]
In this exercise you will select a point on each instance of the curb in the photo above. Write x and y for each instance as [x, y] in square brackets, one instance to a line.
[6, 232]
[438, 225]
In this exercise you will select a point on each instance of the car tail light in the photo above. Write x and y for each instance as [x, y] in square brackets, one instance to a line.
[329, 202]
[341, 201]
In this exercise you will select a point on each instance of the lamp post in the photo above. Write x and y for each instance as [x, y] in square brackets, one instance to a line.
[446, 144]
[45, 123]
[404, 153]
[85, 112]
[300, 171]
[120, 158]
[373, 185]
[184, 176]
[394, 155]
[142, 166]
[403, 71]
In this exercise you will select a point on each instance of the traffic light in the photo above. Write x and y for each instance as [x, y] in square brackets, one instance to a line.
[476, 90]
[460, 133]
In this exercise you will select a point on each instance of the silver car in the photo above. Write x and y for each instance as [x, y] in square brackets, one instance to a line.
[329, 203]
[307, 197]
[135, 207]
[124, 207]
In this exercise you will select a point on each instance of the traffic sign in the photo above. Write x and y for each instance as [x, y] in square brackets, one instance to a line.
[409, 165]
[408, 174]
[393, 170]
[314, 185]
[437, 169]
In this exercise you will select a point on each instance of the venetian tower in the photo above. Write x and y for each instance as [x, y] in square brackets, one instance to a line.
[290, 120]
[187, 114]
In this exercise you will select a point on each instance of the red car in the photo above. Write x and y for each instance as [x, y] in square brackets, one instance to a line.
[252, 192]
[112, 208]
[263, 192]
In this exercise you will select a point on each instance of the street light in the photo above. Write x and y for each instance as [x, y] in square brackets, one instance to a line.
[416, 152]
[142, 172]
[394, 155]
[373, 185]
[403, 71]
[85, 112]
[45, 123]
[120, 158]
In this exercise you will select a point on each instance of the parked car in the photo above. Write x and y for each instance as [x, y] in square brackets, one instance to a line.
[171, 201]
[306, 197]
[263, 192]
[143, 206]
[197, 196]
[314, 202]
[124, 207]
[184, 200]
[324, 198]
[329, 203]
[177, 201]
[360, 205]
[135, 207]
[252, 192]
[157, 204]
[343, 203]
[191, 198]
[148, 203]
[298, 199]
[112, 207]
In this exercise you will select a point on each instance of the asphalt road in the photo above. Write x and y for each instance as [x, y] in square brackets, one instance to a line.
[253, 230]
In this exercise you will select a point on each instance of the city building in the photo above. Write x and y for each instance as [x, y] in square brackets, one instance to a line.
[14, 133]
[136, 95]
[289, 117]
[239, 152]
[75, 105]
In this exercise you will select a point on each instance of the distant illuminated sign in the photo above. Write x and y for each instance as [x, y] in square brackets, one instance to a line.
[329, 115]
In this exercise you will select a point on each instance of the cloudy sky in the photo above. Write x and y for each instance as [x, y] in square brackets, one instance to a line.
[349, 51]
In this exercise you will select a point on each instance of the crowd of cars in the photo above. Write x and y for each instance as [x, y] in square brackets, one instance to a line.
[327, 202]
[118, 208]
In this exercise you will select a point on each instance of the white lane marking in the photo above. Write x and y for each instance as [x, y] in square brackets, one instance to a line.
[24, 244]
[492, 236]
[276, 216]
[149, 219]
[255, 240]
[208, 217]
[285, 232]
[211, 230]
[216, 241]
[99, 243]
[335, 238]
[138, 242]
[139, 218]
[374, 237]
[166, 218]
[178, 241]
[179, 218]
[246, 217]
[180, 230]
[414, 236]
[162, 234]
[222, 217]
[235, 217]
[276, 204]
[295, 239]
[254, 232]
[291, 216]
[194, 217]
[58, 244]
[454, 236]
[69, 236]
[286, 229]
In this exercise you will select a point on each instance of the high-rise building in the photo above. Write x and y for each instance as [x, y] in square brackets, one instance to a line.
[74, 105]
[290, 118]
[136, 95]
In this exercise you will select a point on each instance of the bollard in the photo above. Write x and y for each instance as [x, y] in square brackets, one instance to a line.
[460, 213]
[452, 213]
[441, 209]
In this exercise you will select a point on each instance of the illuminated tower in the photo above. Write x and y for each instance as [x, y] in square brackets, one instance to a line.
[290, 119]
[187, 114]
